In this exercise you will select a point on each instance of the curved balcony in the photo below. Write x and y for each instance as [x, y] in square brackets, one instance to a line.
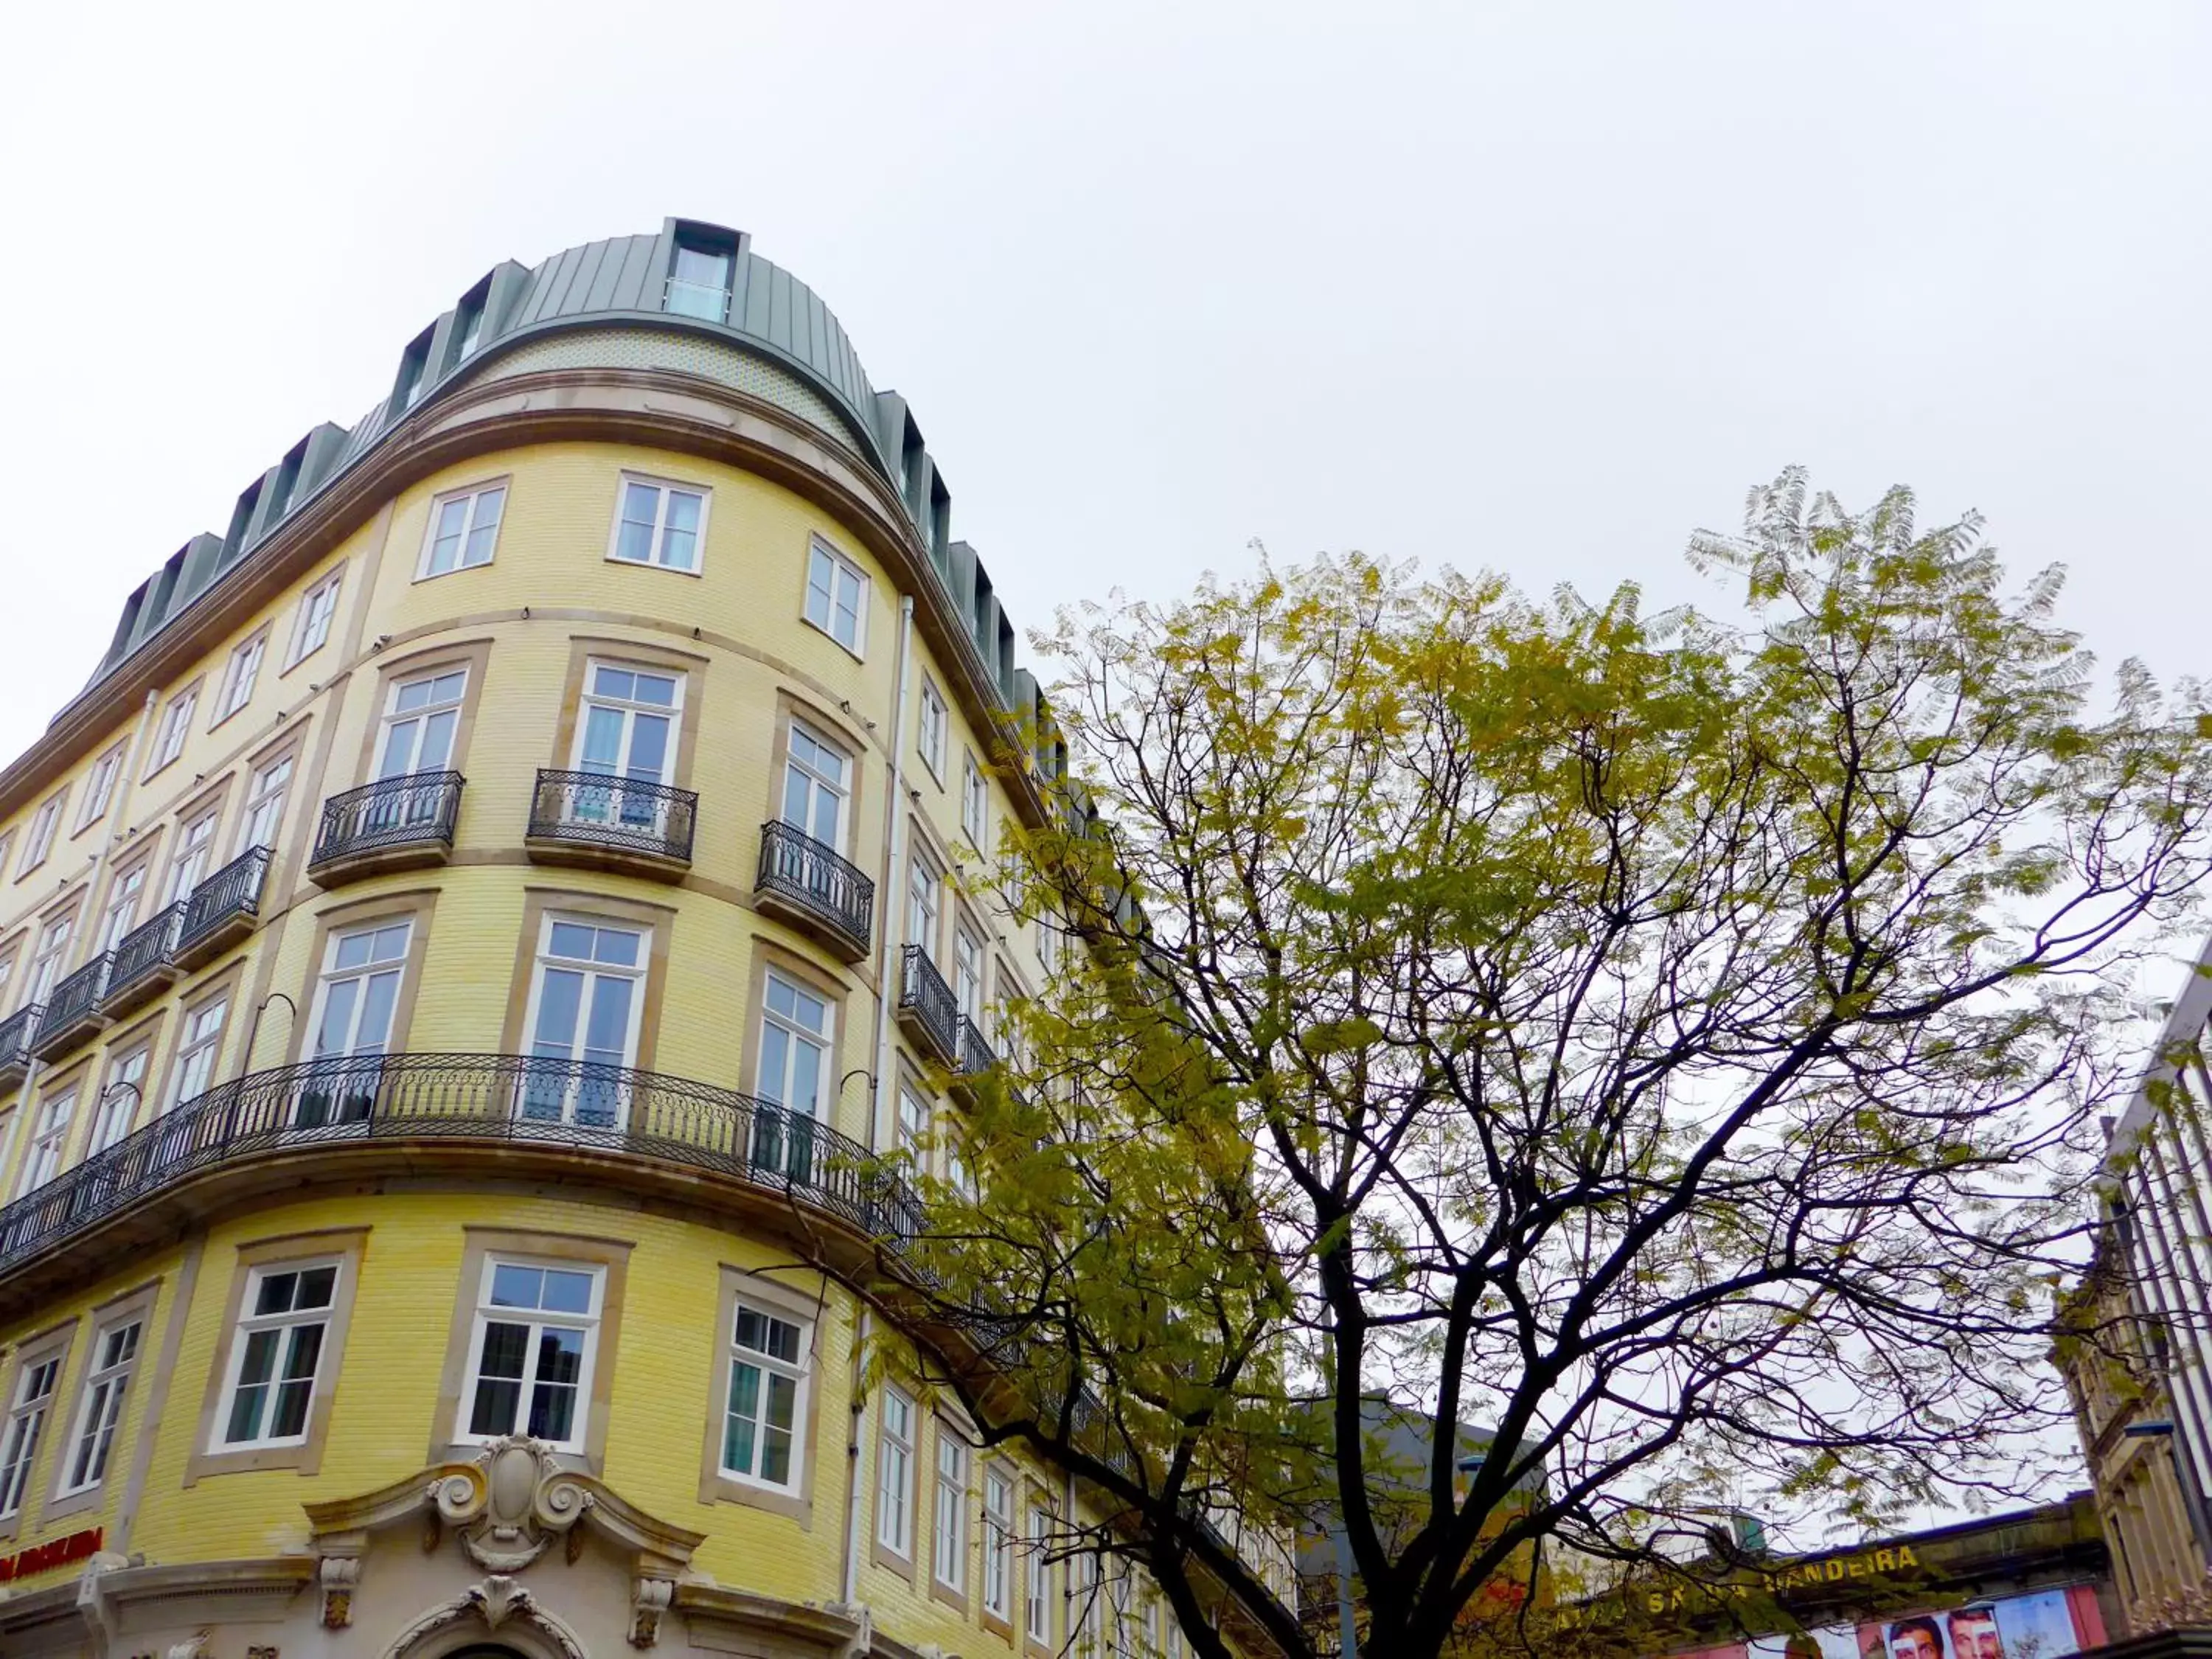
[515, 1112]
[974, 1057]
[604, 822]
[394, 823]
[73, 1009]
[927, 1008]
[805, 883]
[222, 911]
[145, 963]
[16, 1033]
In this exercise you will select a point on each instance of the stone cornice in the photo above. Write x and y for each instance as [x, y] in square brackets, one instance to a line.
[657, 408]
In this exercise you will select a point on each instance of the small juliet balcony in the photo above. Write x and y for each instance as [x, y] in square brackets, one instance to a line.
[222, 910]
[974, 1057]
[73, 1009]
[145, 963]
[927, 1008]
[806, 884]
[604, 822]
[394, 823]
[16, 1033]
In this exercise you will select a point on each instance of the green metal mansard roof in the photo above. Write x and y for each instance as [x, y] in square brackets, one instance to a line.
[774, 337]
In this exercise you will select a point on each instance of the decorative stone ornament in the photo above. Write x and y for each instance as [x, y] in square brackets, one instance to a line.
[649, 1599]
[511, 1504]
[497, 1601]
[505, 1507]
[337, 1574]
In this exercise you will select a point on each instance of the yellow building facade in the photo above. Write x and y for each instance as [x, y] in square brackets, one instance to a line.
[478, 964]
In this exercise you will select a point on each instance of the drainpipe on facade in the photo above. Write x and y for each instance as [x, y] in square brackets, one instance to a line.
[894, 846]
[852, 1591]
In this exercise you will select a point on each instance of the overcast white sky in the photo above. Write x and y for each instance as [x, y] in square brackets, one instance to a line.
[1536, 287]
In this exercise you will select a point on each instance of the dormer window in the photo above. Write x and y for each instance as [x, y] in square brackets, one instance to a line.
[471, 329]
[699, 282]
[414, 375]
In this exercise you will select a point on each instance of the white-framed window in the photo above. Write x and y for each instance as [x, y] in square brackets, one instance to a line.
[276, 1353]
[197, 1049]
[359, 988]
[1048, 941]
[462, 531]
[1151, 1625]
[40, 840]
[816, 784]
[99, 787]
[795, 1042]
[925, 885]
[35, 1383]
[837, 597]
[188, 865]
[628, 732]
[764, 1422]
[47, 960]
[420, 718]
[319, 606]
[176, 727]
[914, 1127]
[660, 523]
[42, 1158]
[960, 1171]
[1038, 1579]
[531, 1351]
[120, 1100]
[930, 728]
[115, 1351]
[586, 994]
[7, 846]
[122, 913]
[998, 1544]
[1090, 1605]
[894, 1473]
[974, 800]
[264, 804]
[967, 974]
[239, 676]
[948, 1540]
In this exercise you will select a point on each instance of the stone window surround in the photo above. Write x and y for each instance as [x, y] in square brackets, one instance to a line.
[739, 1284]
[585, 1249]
[347, 1245]
[139, 1303]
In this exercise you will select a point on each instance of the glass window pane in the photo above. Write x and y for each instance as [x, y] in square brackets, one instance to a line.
[613, 946]
[338, 1017]
[275, 1294]
[315, 1285]
[615, 682]
[648, 747]
[606, 1039]
[375, 1030]
[512, 1286]
[493, 1412]
[567, 1291]
[571, 940]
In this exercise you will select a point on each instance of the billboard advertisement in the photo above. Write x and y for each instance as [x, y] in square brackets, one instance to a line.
[2046, 1625]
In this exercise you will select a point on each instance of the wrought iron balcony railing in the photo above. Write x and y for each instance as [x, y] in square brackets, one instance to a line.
[222, 908]
[462, 1098]
[811, 879]
[595, 813]
[928, 1006]
[147, 951]
[976, 1056]
[16, 1033]
[73, 1008]
[391, 818]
